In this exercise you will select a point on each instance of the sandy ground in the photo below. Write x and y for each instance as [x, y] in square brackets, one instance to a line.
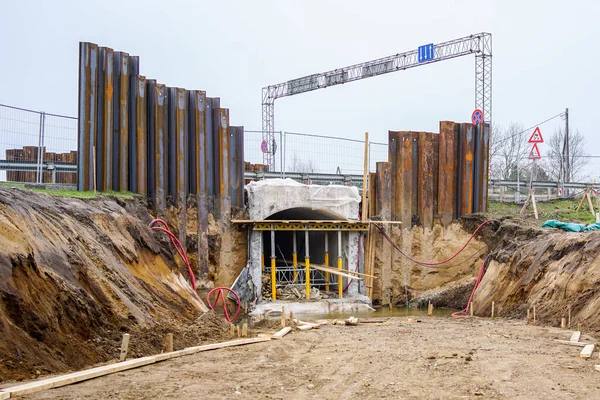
[437, 358]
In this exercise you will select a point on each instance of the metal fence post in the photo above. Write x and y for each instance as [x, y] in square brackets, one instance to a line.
[39, 152]
[40, 157]
[284, 150]
[281, 152]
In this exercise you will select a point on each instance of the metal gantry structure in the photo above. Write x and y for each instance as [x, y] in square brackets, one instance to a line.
[479, 44]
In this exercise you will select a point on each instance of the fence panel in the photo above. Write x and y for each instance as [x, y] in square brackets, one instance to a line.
[37, 147]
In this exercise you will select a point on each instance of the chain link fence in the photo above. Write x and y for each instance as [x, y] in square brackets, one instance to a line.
[308, 153]
[37, 147]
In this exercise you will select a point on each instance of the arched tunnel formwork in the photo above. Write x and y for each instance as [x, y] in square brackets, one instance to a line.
[287, 200]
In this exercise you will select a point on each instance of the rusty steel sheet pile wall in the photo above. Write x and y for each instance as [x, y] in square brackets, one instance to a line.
[166, 143]
[432, 176]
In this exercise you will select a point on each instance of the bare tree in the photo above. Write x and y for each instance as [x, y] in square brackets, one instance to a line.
[508, 148]
[302, 166]
[555, 162]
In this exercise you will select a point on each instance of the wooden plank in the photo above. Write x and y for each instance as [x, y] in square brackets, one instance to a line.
[316, 326]
[597, 367]
[4, 395]
[282, 333]
[75, 377]
[568, 342]
[304, 327]
[331, 270]
[68, 379]
[365, 171]
[587, 351]
[575, 336]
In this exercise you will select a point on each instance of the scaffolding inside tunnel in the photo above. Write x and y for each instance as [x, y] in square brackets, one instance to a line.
[291, 247]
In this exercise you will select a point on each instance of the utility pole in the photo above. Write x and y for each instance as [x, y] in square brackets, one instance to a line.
[568, 159]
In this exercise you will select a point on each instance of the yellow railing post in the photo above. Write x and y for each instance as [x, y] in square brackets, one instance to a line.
[295, 257]
[273, 268]
[307, 264]
[339, 278]
[326, 262]
[262, 252]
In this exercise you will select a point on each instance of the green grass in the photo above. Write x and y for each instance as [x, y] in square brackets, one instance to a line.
[563, 210]
[72, 193]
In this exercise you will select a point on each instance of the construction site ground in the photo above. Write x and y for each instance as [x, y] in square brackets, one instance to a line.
[411, 358]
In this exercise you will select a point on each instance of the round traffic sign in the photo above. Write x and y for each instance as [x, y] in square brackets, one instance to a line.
[477, 117]
[264, 146]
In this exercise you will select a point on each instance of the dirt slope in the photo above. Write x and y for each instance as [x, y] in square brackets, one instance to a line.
[550, 269]
[76, 274]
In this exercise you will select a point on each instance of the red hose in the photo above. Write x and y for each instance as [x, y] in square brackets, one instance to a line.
[221, 295]
[463, 313]
[176, 244]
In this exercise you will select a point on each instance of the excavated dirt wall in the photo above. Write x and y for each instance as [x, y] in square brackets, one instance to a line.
[77, 274]
[447, 287]
[548, 268]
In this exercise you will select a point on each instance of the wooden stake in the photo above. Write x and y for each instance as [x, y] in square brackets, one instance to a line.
[390, 305]
[534, 320]
[430, 310]
[583, 198]
[239, 332]
[528, 317]
[590, 205]
[232, 329]
[292, 323]
[563, 323]
[283, 321]
[471, 309]
[124, 347]
[569, 324]
[245, 330]
[493, 305]
[169, 343]
[365, 169]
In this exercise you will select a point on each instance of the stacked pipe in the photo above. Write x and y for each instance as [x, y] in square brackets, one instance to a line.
[432, 176]
[166, 143]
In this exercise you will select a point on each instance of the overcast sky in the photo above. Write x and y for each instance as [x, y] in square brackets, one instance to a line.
[544, 58]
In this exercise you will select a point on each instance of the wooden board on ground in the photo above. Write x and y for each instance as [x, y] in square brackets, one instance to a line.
[387, 323]
[4, 395]
[282, 333]
[316, 326]
[304, 327]
[587, 351]
[568, 342]
[63, 380]
[575, 336]
[597, 367]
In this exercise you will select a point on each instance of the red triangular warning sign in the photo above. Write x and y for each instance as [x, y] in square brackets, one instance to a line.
[536, 137]
[534, 154]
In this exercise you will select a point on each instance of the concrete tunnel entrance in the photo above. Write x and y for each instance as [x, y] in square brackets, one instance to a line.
[320, 244]
[281, 209]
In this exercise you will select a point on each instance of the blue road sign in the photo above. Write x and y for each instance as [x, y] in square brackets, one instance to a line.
[426, 52]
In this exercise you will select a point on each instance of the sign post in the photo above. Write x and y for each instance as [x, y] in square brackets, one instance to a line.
[534, 154]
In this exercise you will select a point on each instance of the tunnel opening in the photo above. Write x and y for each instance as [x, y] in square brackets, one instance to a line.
[322, 249]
